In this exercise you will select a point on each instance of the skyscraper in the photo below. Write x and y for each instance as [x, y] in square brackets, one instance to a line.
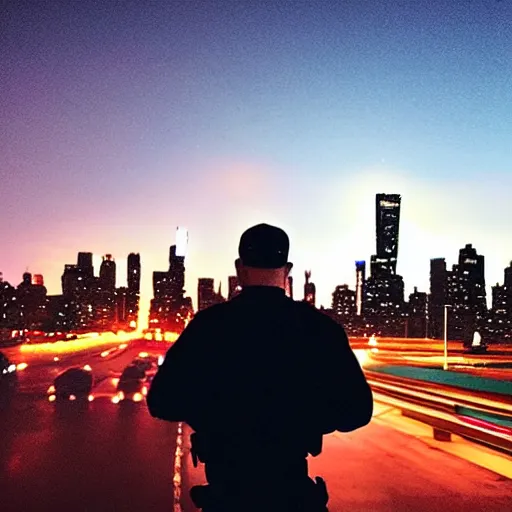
[383, 293]
[176, 274]
[107, 280]
[360, 280]
[508, 277]
[79, 287]
[418, 314]
[309, 289]
[387, 227]
[105, 304]
[133, 273]
[499, 324]
[466, 294]
[437, 299]
[472, 266]
[206, 296]
[31, 303]
[9, 317]
[170, 309]
[133, 293]
[344, 305]
[84, 262]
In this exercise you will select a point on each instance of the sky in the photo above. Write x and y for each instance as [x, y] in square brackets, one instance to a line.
[122, 120]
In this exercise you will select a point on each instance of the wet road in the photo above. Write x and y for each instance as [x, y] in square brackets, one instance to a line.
[97, 457]
[380, 469]
[106, 457]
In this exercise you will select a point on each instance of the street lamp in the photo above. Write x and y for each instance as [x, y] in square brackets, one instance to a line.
[445, 361]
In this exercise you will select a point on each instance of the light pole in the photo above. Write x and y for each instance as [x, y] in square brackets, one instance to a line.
[445, 362]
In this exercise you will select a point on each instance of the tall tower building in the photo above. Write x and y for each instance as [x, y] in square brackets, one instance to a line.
[360, 280]
[344, 304]
[176, 274]
[387, 227]
[465, 293]
[384, 291]
[84, 262]
[107, 279]
[472, 266]
[130, 298]
[309, 289]
[170, 309]
[418, 314]
[133, 273]
[438, 296]
[508, 277]
[106, 304]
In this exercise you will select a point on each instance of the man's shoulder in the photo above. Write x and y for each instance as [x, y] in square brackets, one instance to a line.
[212, 313]
[232, 308]
[312, 313]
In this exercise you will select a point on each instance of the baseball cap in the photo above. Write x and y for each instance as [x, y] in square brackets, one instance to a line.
[264, 246]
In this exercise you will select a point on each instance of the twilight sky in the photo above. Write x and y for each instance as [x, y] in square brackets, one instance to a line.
[122, 120]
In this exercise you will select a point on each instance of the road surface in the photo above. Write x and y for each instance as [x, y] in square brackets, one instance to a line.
[106, 457]
[379, 469]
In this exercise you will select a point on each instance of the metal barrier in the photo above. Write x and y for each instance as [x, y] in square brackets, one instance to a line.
[438, 406]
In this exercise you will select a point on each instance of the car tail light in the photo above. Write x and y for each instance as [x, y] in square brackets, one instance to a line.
[137, 397]
[52, 398]
[90, 398]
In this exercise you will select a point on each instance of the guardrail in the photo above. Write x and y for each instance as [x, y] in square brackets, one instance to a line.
[483, 418]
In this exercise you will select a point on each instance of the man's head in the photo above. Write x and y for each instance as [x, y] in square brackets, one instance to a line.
[263, 257]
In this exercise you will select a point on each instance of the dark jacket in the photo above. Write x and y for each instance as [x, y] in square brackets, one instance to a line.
[262, 367]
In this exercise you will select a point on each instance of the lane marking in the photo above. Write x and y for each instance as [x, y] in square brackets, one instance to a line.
[178, 456]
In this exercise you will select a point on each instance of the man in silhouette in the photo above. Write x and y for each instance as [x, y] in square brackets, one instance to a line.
[260, 379]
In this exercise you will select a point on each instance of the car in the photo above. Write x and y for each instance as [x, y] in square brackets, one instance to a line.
[8, 376]
[75, 383]
[477, 346]
[131, 386]
[148, 362]
[476, 349]
[144, 364]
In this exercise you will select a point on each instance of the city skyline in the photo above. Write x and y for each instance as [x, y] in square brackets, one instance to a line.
[181, 237]
[291, 115]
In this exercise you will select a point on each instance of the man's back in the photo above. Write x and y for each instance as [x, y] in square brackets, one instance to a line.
[262, 370]
[261, 379]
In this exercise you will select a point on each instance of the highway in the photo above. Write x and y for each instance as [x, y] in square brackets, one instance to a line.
[495, 364]
[107, 457]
